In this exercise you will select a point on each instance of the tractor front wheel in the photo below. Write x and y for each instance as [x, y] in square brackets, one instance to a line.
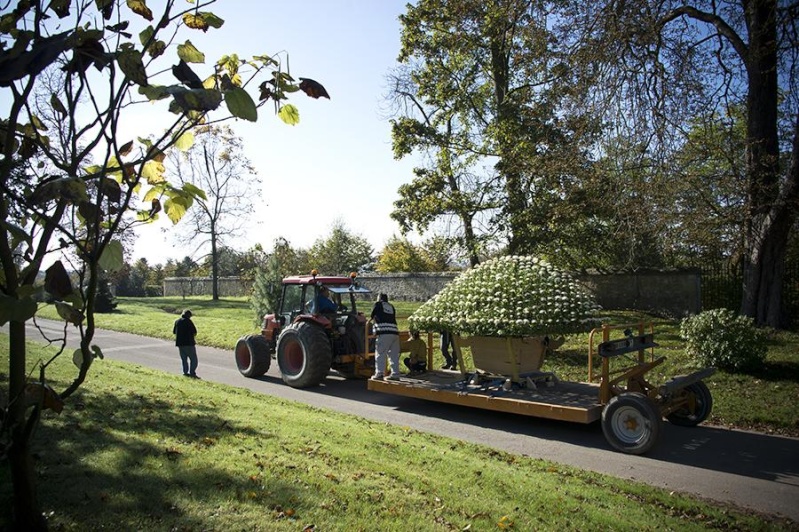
[631, 423]
[252, 355]
[304, 355]
[698, 404]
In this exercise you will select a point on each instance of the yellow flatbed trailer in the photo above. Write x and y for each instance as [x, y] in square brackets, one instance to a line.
[568, 401]
[630, 408]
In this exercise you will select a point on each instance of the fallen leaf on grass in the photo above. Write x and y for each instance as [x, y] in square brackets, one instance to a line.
[505, 522]
[173, 453]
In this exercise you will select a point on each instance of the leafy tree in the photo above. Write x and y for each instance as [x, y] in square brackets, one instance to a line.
[671, 63]
[708, 194]
[216, 164]
[401, 255]
[79, 192]
[186, 267]
[121, 280]
[140, 272]
[104, 301]
[250, 262]
[485, 97]
[339, 253]
[282, 262]
[440, 252]
[156, 276]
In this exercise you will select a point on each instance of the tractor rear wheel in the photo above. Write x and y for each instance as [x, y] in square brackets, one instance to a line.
[304, 355]
[631, 423]
[252, 355]
[698, 405]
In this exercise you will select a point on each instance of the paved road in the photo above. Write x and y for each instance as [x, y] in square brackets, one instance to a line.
[748, 469]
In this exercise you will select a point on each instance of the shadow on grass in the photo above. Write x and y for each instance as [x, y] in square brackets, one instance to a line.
[778, 371]
[748, 454]
[144, 461]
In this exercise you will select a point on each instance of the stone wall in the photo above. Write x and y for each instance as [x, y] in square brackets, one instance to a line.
[407, 286]
[672, 293]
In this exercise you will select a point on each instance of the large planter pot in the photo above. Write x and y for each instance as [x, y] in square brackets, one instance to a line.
[497, 355]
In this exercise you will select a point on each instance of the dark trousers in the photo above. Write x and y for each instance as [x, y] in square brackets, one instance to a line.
[188, 357]
[417, 367]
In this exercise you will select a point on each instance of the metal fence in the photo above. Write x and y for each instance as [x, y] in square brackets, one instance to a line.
[722, 287]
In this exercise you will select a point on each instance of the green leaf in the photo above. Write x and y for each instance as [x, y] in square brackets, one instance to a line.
[196, 99]
[289, 114]
[75, 300]
[202, 20]
[69, 313]
[26, 290]
[57, 105]
[130, 62]
[18, 234]
[185, 141]
[154, 192]
[175, 208]
[77, 358]
[240, 104]
[153, 172]
[145, 216]
[195, 191]
[140, 8]
[13, 309]
[112, 190]
[57, 281]
[145, 35]
[190, 54]
[112, 259]
[154, 92]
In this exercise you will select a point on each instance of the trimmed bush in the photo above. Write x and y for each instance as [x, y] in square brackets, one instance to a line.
[723, 339]
[154, 290]
[105, 301]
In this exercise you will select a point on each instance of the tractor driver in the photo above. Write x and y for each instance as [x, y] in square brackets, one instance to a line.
[325, 305]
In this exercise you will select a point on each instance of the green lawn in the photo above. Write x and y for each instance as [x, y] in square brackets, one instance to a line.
[137, 449]
[764, 401]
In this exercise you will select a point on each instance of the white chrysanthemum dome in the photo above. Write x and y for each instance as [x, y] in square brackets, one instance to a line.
[509, 296]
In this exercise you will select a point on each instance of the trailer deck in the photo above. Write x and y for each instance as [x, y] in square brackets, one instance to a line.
[549, 398]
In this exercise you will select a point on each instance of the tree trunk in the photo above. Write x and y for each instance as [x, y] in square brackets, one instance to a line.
[470, 240]
[214, 265]
[771, 207]
[214, 268]
[26, 512]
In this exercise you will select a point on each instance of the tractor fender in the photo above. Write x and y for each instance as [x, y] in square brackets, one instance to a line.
[316, 319]
[272, 327]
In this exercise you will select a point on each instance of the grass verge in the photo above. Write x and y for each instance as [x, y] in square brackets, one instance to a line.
[141, 450]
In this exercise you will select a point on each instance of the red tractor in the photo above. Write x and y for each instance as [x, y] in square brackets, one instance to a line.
[306, 343]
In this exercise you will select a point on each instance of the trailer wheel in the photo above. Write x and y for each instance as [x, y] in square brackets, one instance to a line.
[252, 355]
[631, 423]
[303, 355]
[699, 403]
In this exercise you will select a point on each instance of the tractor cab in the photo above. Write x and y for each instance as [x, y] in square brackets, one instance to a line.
[299, 301]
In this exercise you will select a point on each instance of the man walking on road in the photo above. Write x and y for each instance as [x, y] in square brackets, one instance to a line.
[185, 331]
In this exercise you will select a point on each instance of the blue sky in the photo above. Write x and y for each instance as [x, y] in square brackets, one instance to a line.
[337, 164]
